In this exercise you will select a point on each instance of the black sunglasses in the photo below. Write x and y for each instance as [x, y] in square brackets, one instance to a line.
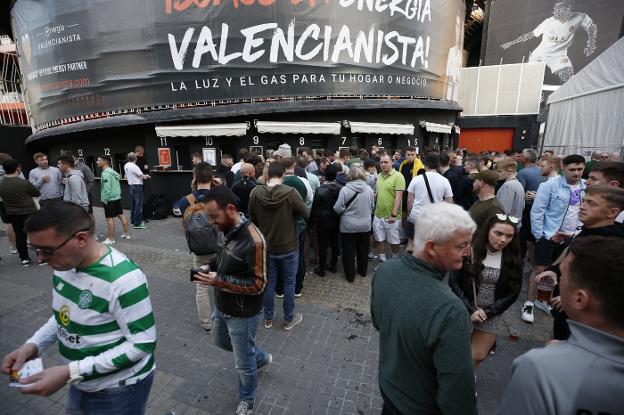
[50, 251]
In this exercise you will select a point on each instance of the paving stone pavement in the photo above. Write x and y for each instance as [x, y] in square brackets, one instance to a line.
[326, 365]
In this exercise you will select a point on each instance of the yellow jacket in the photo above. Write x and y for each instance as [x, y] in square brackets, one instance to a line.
[417, 166]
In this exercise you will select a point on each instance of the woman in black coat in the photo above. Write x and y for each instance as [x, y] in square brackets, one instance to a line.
[489, 282]
[325, 221]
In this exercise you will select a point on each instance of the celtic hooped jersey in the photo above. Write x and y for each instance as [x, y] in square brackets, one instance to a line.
[103, 319]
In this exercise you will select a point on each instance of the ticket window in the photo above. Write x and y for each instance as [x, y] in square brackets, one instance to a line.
[315, 143]
[182, 156]
[119, 161]
[89, 161]
[387, 143]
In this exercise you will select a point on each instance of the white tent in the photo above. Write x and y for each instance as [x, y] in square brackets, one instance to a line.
[587, 112]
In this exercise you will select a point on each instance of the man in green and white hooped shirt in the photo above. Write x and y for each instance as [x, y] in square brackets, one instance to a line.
[102, 318]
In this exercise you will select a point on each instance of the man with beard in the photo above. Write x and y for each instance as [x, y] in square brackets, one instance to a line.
[239, 281]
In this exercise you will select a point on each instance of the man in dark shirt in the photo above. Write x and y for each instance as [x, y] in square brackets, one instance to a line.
[425, 361]
[242, 188]
[487, 205]
[141, 161]
[530, 177]
[224, 170]
[17, 194]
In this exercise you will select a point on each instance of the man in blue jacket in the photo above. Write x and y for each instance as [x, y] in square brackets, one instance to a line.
[554, 217]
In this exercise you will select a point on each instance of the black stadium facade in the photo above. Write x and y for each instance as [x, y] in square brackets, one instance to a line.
[214, 76]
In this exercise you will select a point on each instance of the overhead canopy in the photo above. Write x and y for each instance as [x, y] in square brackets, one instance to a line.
[436, 128]
[380, 128]
[285, 127]
[203, 130]
[587, 113]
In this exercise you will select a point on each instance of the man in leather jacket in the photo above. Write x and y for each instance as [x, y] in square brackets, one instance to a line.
[239, 282]
[325, 220]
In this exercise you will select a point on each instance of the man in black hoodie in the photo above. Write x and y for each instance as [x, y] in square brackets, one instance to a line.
[239, 282]
[224, 170]
[600, 206]
[274, 208]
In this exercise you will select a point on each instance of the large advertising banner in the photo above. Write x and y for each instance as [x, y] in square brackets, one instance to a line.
[564, 34]
[82, 57]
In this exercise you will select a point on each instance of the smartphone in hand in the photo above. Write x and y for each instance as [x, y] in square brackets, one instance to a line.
[205, 268]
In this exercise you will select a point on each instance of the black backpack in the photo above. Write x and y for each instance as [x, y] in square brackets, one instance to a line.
[161, 208]
[202, 237]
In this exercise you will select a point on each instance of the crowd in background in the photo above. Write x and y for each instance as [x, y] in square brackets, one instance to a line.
[472, 222]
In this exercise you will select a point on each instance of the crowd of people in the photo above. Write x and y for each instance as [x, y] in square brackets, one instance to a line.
[468, 224]
[70, 181]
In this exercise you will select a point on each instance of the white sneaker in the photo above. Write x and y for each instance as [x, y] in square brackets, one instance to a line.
[13, 250]
[527, 312]
[125, 236]
[245, 408]
[108, 241]
[546, 308]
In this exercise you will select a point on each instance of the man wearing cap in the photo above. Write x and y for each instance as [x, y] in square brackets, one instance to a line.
[484, 187]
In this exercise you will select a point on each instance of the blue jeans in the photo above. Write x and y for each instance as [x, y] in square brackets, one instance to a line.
[123, 400]
[136, 216]
[238, 335]
[287, 264]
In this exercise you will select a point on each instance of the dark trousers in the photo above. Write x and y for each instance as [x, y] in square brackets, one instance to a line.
[301, 269]
[327, 235]
[17, 221]
[136, 215]
[354, 245]
[525, 231]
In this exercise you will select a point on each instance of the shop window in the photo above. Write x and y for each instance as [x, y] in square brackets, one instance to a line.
[182, 156]
[119, 160]
[89, 161]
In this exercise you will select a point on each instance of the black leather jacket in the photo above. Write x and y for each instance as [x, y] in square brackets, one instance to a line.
[504, 296]
[241, 264]
[323, 204]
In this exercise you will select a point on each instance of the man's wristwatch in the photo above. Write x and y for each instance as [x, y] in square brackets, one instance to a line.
[74, 374]
[393, 215]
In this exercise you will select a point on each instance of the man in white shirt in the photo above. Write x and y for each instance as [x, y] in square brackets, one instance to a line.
[426, 189]
[135, 178]
[243, 154]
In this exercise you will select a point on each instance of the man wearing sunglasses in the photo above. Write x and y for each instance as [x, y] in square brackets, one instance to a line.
[102, 319]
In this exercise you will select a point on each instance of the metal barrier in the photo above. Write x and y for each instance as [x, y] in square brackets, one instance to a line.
[585, 151]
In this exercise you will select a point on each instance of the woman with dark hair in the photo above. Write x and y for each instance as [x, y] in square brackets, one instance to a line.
[490, 281]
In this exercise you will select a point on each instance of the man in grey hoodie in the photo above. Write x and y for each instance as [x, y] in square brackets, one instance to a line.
[583, 375]
[75, 188]
[274, 209]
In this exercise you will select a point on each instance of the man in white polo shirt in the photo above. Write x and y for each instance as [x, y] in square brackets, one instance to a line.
[135, 178]
[426, 189]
